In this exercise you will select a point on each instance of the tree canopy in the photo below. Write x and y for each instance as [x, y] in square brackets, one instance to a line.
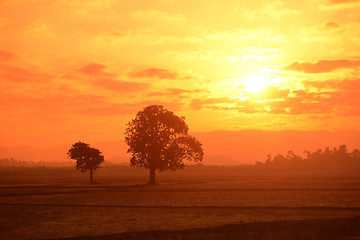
[159, 140]
[87, 158]
[328, 160]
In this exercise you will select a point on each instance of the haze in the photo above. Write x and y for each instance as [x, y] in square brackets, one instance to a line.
[73, 71]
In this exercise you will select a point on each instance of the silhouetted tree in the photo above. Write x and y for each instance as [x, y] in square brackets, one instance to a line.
[87, 158]
[355, 154]
[159, 140]
[331, 160]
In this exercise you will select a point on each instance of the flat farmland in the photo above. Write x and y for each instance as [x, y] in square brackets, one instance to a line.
[47, 208]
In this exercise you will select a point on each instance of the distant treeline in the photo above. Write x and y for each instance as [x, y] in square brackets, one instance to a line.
[336, 160]
[11, 162]
[327, 160]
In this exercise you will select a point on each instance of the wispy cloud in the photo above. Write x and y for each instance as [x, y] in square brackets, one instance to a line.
[173, 92]
[339, 4]
[39, 29]
[101, 75]
[322, 66]
[156, 15]
[23, 75]
[7, 56]
[159, 73]
[121, 86]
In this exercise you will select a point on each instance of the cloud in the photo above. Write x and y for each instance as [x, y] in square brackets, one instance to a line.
[336, 98]
[23, 75]
[322, 66]
[342, 99]
[94, 69]
[88, 3]
[304, 104]
[274, 9]
[251, 35]
[198, 103]
[15, 2]
[39, 29]
[173, 105]
[343, 85]
[110, 109]
[100, 75]
[65, 104]
[159, 73]
[249, 106]
[7, 56]
[278, 9]
[64, 101]
[328, 26]
[339, 4]
[120, 86]
[57, 102]
[173, 92]
[270, 93]
[336, 2]
[158, 16]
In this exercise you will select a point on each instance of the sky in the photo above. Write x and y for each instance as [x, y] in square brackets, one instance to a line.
[81, 69]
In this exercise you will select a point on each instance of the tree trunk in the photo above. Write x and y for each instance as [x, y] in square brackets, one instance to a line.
[152, 176]
[91, 175]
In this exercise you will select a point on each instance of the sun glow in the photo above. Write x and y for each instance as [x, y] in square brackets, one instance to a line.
[255, 82]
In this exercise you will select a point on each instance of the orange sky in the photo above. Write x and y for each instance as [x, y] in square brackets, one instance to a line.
[79, 70]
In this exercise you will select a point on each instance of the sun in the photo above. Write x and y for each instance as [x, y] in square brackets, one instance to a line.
[255, 82]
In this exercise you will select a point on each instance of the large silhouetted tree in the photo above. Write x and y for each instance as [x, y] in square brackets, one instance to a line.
[159, 140]
[87, 158]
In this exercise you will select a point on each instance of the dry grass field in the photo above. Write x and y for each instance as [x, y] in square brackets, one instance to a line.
[45, 208]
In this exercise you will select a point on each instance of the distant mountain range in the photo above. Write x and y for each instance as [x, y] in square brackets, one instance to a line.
[221, 147]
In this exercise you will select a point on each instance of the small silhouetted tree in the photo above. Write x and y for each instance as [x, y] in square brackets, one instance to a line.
[87, 158]
[159, 140]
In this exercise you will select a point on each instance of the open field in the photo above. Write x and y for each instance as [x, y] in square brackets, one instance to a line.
[43, 208]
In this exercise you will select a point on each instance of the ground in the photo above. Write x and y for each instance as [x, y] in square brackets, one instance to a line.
[44, 208]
